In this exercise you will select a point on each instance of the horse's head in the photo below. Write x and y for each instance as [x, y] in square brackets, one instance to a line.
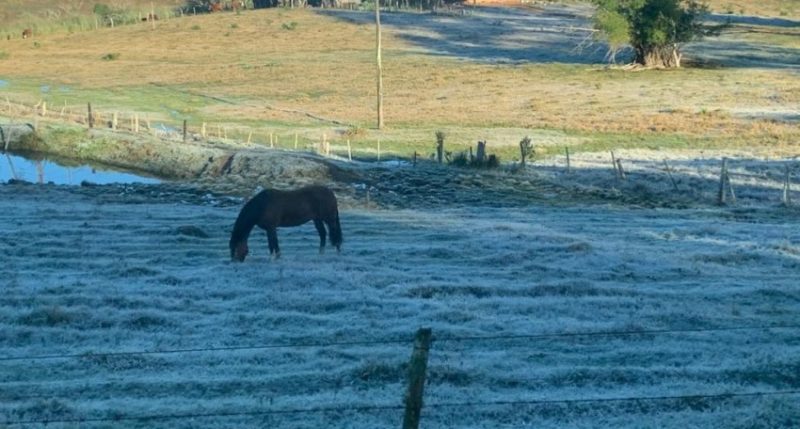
[239, 251]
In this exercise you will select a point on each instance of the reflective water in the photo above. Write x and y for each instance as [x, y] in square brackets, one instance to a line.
[39, 169]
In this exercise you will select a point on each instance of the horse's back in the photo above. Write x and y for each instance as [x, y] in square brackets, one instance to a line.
[298, 206]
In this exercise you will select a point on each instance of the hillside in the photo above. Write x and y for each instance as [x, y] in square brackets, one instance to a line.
[538, 73]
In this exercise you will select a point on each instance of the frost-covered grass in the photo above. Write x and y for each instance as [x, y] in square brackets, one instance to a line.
[84, 276]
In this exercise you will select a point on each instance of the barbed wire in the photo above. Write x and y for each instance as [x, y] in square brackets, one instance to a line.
[610, 333]
[298, 344]
[302, 344]
[371, 408]
[177, 416]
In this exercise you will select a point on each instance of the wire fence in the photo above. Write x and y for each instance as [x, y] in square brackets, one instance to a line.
[368, 408]
[303, 343]
[347, 145]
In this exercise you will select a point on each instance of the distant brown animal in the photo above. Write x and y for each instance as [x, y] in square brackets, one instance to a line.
[215, 7]
[236, 5]
[150, 17]
[27, 33]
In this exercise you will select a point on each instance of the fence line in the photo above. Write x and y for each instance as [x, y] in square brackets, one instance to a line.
[208, 349]
[368, 408]
[303, 344]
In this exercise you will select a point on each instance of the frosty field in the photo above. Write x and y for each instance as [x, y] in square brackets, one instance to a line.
[687, 297]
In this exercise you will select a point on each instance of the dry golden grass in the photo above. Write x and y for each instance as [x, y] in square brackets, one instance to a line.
[774, 8]
[325, 66]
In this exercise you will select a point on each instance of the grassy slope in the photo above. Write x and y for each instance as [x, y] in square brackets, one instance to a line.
[325, 66]
[45, 16]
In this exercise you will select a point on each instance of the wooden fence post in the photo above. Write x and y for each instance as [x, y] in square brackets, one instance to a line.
[184, 130]
[379, 150]
[295, 141]
[90, 118]
[439, 146]
[349, 151]
[786, 198]
[566, 149]
[669, 173]
[723, 173]
[614, 164]
[114, 121]
[620, 171]
[203, 130]
[417, 369]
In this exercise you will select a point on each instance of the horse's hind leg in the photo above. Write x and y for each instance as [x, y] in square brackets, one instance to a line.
[321, 230]
[272, 238]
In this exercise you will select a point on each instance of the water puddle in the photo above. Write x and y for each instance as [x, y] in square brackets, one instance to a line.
[37, 168]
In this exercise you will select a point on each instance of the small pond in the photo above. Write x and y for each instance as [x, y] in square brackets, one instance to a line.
[39, 168]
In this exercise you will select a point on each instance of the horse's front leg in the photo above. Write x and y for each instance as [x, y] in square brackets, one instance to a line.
[272, 239]
[321, 230]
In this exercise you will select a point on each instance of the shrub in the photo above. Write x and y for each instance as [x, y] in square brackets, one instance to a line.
[110, 56]
[289, 26]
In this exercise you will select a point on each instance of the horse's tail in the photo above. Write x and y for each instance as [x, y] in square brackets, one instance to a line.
[336, 231]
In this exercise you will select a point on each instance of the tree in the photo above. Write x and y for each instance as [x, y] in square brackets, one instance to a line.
[655, 29]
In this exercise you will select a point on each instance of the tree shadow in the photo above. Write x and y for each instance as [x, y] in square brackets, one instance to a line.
[560, 34]
[494, 34]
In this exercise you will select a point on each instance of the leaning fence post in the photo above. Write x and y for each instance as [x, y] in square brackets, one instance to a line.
[416, 378]
[566, 150]
[184, 130]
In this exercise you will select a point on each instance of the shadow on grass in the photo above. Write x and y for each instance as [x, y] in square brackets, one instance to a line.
[560, 34]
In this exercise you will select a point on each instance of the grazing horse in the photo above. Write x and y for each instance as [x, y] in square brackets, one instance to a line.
[215, 7]
[236, 5]
[150, 17]
[272, 208]
[27, 33]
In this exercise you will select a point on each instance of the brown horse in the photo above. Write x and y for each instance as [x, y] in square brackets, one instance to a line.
[272, 208]
[215, 7]
[26, 33]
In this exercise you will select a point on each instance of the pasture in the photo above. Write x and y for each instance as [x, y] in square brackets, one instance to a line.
[687, 297]
[556, 298]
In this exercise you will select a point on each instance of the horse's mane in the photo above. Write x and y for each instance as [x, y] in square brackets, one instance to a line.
[248, 217]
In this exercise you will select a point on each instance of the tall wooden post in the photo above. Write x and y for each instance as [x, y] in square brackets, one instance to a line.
[91, 118]
[416, 378]
[786, 199]
[184, 130]
[378, 61]
[723, 173]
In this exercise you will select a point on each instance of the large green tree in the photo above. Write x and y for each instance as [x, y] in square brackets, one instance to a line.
[655, 29]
